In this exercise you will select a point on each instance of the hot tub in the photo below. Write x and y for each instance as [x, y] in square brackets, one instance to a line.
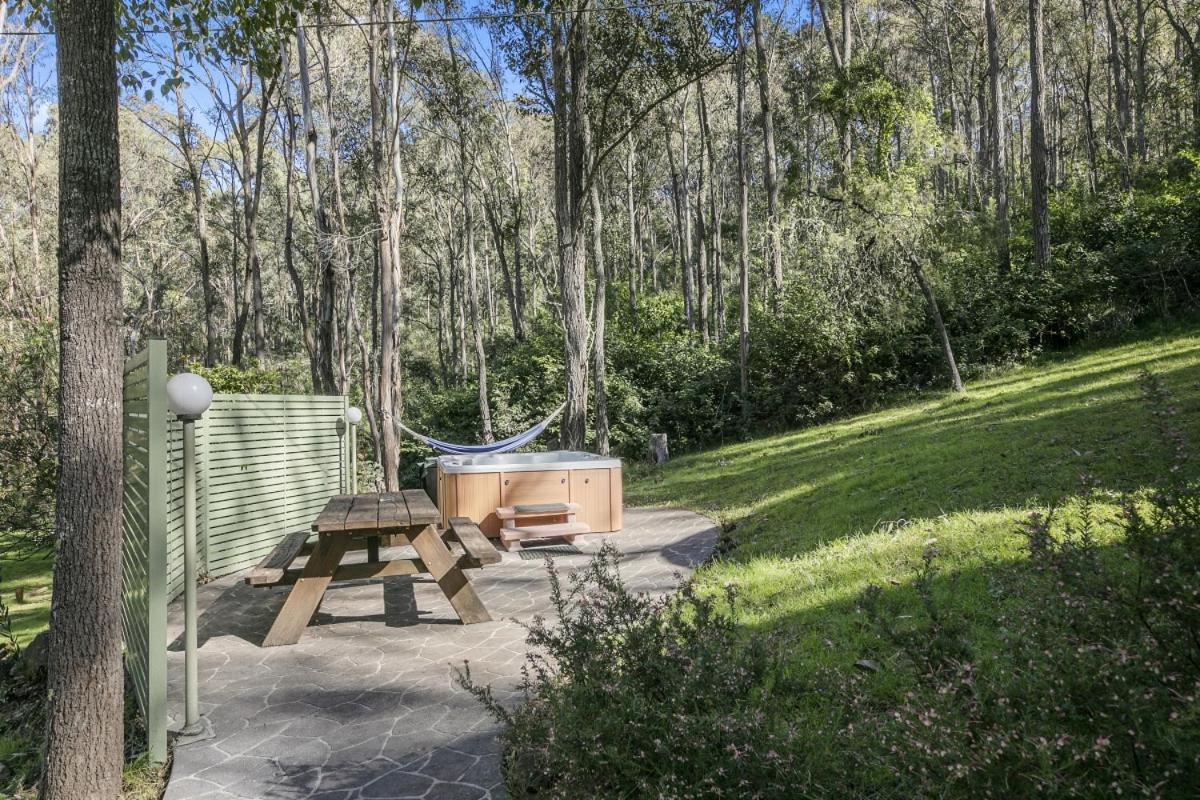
[475, 486]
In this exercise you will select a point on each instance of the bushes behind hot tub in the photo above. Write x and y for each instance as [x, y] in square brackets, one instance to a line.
[661, 380]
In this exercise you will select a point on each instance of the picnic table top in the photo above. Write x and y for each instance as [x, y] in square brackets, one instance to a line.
[372, 512]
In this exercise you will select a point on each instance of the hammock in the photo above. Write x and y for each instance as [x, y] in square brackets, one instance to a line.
[503, 446]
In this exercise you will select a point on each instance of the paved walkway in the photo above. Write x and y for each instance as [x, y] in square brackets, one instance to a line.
[366, 705]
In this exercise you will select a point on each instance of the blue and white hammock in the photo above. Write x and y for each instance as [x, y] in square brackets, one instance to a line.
[503, 446]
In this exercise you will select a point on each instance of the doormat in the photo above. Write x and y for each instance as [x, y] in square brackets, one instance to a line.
[538, 553]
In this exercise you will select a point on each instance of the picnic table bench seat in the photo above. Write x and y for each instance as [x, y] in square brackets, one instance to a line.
[272, 570]
[475, 545]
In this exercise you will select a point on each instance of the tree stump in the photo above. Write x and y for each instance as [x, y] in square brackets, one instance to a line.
[658, 448]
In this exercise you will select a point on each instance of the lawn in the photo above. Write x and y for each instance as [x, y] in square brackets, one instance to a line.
[30, 572]
[816, 516]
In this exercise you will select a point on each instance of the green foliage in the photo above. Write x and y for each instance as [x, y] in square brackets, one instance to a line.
[632, 696]
[29, 431]
[228, 379]
[929, 636]
[1091, 689]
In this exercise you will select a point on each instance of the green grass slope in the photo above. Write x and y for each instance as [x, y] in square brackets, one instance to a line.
[816, 516]
[31, 572]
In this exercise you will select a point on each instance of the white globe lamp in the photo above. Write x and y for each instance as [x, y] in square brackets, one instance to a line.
[353, 415]
[188, 395]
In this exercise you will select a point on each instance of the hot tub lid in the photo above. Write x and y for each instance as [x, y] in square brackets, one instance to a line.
[523, 462]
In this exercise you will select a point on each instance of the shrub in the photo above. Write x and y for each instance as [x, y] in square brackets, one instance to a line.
[633, 696]
[1091, 689]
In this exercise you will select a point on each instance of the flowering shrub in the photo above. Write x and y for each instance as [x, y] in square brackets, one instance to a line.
[1072, 673]
[1092, 687]
[627, 695]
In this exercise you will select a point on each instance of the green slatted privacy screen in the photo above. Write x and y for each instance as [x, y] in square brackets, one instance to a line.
[265, 465]
[269, 464]
[144, 540]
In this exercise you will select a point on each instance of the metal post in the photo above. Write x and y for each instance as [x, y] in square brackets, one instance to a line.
[192, 713]
[191, 686]
[353, 459]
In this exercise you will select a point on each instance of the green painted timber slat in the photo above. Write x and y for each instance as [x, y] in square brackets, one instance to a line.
[144, 551]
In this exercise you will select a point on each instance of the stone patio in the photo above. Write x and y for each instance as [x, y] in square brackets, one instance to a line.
[366, 705]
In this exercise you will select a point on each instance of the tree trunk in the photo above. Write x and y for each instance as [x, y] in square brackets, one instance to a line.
[685, 217]
[702, 299]
[996, 119]
[570, 57]
[743, 225]
[199, 217]
[935, 314]
[1037, 139]
[83, 756]
[1120, 89]
[842, 56]
[324, 334]
[635, 246]
[387, 384]
[599, 310]
[770, 162]
[290, 135]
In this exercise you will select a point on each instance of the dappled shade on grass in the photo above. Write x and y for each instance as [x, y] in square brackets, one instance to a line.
[818, 515]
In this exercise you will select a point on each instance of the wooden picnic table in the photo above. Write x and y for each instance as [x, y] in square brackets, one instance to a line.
[350, 522]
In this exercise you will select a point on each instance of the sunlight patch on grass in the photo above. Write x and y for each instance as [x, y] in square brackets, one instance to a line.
[31, 573]
[816, 516]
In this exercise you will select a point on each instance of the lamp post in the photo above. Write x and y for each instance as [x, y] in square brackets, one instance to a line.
[353, 417]
[188, 397]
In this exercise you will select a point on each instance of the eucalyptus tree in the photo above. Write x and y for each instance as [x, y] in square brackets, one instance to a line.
[596, 68]
[1040, 187]
[996, 140]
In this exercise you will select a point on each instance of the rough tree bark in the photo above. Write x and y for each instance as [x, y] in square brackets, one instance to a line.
[996, 135]
[85, 688]
[1040, 185]
[323, 334]
[743, 224]
[599, 312]
[388, 376]
[770, 162]
[570, 44]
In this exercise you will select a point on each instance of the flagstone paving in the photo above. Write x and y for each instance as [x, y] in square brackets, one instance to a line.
[366, 705]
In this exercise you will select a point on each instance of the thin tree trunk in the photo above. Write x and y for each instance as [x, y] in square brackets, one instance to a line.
[1120, 89]
[935, 314]
[200, 219]
[743, 225]
[685, 218]
[1037, 139]
[635, 248]
[323, 381]
[290, 135]
[386, 388]
[702, 299]
[599, 310]
[83, 756]
[999, 167]
[770, 162]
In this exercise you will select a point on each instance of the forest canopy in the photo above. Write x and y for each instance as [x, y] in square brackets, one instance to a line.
[703, 219]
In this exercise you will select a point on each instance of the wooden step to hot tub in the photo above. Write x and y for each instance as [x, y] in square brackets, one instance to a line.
[511, 538]
[539, 521]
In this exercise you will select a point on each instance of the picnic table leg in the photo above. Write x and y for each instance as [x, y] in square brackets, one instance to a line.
[372, 549]
[443, 566]
[304, 598]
